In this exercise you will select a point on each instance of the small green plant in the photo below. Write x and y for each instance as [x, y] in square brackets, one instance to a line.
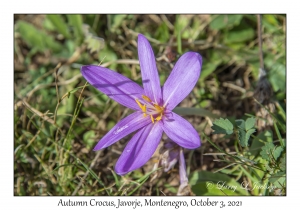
[259, 161]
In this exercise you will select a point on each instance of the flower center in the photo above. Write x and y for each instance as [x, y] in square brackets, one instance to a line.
[149, 108]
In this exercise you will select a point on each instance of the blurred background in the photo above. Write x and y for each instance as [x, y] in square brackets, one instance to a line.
[58, 120]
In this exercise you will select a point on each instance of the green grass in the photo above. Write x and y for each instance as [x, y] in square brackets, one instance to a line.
[59, 118]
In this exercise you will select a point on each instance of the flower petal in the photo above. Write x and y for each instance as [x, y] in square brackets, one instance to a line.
[148, 70]
[182, 174]
[114, 85]
[139, 149]
[181, 131]
[126, 126]
[182, 79]
[182, 168]
[169, 159]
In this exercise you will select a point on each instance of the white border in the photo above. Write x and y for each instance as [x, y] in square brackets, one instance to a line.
[8, 8]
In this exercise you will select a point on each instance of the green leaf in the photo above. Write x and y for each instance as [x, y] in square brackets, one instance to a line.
[117, 20]
[242, 138]
[249, 133]
[209, 68]
[250, 122]
[223, 126]
[181, 22]
[266, 136]
[162, 33]
[88, 138]
[266, 150]
[278, 179]
[60, 24]
[194, 111]
[208, 183]
[270, 151]
[271, 19]
[282, 164]
[239, 35]
[94, 43]
[76, 22]
[35, 38]
[240, 123]
[31, 35]
[225, 21]
[277, 152]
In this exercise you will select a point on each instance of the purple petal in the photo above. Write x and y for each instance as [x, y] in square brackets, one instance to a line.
[114, 85]
[182, 169]
[148, 69]
[126, 126]
[169, 159]
[139, 149]
[182, 79]
[182, 173]
[181, 131]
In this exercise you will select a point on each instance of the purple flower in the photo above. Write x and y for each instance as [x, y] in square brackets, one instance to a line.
[153, 105]
[170, 156]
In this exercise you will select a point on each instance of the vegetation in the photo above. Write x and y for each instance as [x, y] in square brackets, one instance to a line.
[237, 109]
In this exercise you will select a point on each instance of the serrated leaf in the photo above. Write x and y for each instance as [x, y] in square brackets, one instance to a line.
[266, 150]
[242, 138]
[222, 126]
[244, 134]
[249, 132]
[282, 164]
[240, 123]
[277, 152]
[250, 122]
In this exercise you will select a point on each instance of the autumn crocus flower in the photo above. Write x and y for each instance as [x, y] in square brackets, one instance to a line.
[170, 156]
[153, 105]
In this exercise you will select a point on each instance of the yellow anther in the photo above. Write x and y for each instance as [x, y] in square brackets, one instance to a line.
[158, 108]
[158, 118]
[152, 119]
[144, 108]
[150, 108]
[146, 98]
[140, 105]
